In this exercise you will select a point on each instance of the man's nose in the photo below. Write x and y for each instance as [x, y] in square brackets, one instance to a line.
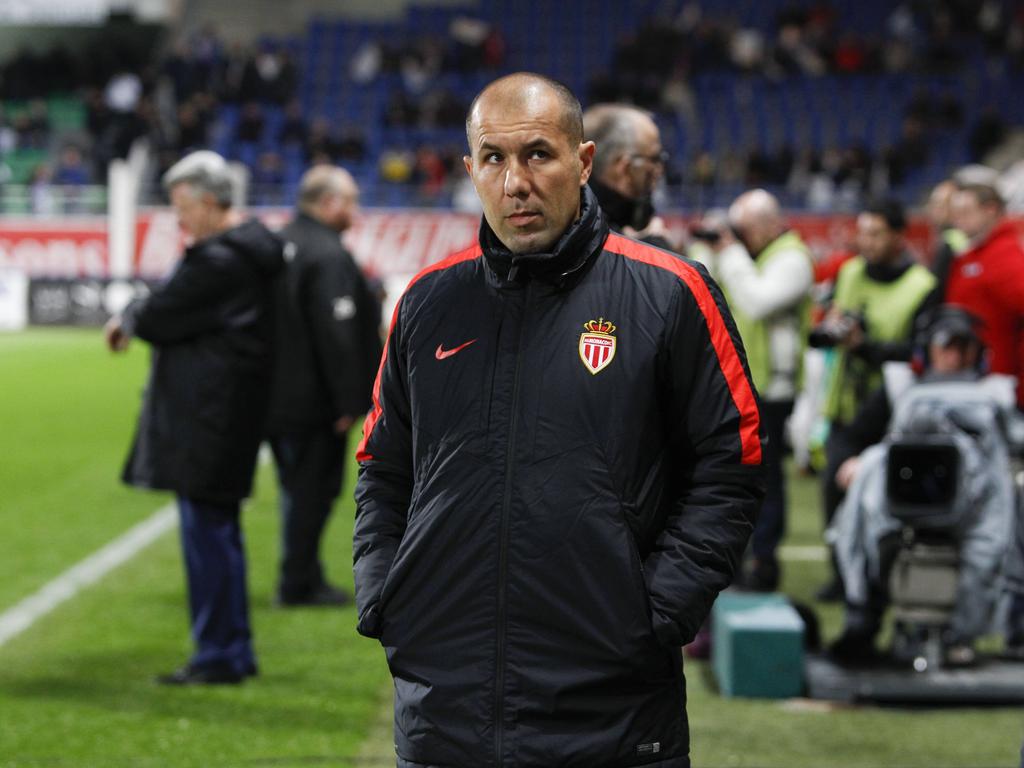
[517, 182]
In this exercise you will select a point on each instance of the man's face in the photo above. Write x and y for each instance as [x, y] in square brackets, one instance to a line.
[876, 240]
[525, 171]
[970, 216]
[341, 207]
[198, 212]
[646, 163]
[956, 356]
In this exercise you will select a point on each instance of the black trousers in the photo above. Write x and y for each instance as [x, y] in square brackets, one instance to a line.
[310, 471]
[771, 522]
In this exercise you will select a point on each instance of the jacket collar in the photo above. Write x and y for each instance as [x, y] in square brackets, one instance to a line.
[1002, 230]
[567, 259]
[889, 273]
[622, 211]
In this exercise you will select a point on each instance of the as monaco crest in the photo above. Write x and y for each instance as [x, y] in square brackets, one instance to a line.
[597, 345]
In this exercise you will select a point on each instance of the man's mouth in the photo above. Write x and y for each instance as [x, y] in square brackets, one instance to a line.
[520, 218]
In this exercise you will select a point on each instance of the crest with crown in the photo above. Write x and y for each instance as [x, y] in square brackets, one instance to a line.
[599, 326]
[597, 345]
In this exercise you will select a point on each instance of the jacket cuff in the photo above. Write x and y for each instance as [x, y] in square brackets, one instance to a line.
[128, 317]
[666, 631]
[369, 622]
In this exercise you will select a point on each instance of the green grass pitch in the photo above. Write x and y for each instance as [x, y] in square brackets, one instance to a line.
[76, 688]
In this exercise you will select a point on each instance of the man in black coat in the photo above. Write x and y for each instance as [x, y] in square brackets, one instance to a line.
[629, 161]
[210, 326]
[559, 474]
[328, 350]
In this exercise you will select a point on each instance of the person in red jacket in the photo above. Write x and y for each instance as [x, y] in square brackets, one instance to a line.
[988, 278]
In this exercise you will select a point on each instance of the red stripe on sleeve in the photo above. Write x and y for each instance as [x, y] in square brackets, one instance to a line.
[473, 252]
[728, 358]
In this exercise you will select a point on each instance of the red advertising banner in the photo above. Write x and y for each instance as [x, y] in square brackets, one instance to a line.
[388, 243]
[46, 247]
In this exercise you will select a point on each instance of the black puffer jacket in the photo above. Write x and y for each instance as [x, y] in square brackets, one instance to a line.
[211, 328]
[559, 475]
[328, 332]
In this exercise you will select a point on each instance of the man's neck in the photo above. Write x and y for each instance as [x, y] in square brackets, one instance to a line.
[982, 236]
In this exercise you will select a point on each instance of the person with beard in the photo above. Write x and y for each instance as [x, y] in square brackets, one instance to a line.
[628, 163]
[879, 296]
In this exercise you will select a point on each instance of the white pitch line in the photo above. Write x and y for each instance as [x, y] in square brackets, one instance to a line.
[814, 553]
[23, 615]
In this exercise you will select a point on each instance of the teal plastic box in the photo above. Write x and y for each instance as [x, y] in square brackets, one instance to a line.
[757, 646]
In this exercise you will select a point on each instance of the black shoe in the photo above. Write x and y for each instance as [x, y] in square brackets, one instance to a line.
[854, 647]
[832, 592]
[193, 675]
[324, 595]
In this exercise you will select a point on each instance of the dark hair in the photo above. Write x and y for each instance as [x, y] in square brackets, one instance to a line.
[892, 211]
[572, 112]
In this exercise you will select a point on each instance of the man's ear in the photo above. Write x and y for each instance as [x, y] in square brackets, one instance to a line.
[587, 149]
[468, 162]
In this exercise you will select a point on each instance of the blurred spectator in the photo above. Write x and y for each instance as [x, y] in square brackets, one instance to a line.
[71, 170]
[269, 75]
[910, 152]
[396, 166]
[441, 108]
[33, 126]
[766, 273]
[628, 164]
[987, 133]
[476, 44]
[402, 110]
[250, 126]
[192, 131]
[268, 179]
[877, 296]
[950, 240]
[351, 145]
[429, 172]
[8, 136]
[293, 129]
[366, 62]
[988, 278]
[41, 192]
[123, 92]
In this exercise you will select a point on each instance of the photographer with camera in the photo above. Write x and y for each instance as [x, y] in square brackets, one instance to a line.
[954, 403]
[765, 272]
[878, 294]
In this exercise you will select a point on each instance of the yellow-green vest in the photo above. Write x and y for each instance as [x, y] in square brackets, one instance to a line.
[888, 310]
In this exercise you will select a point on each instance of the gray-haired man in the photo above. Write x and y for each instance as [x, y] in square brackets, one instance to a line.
[211, 329]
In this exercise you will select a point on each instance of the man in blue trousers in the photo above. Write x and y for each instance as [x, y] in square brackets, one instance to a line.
[210, 326]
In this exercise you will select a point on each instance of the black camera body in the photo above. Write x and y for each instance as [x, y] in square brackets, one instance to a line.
[831, 331]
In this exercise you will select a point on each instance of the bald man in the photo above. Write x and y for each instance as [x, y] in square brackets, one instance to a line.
[766, 272]
[328, 348]
[559, 473]
[628, 163]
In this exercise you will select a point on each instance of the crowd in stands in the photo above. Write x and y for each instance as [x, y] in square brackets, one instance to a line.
[254, 102]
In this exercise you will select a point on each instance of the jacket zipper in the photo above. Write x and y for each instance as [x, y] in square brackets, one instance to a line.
[503, 524]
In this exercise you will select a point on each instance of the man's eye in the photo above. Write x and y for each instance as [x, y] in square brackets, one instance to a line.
[492, 157]
[539, 154]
